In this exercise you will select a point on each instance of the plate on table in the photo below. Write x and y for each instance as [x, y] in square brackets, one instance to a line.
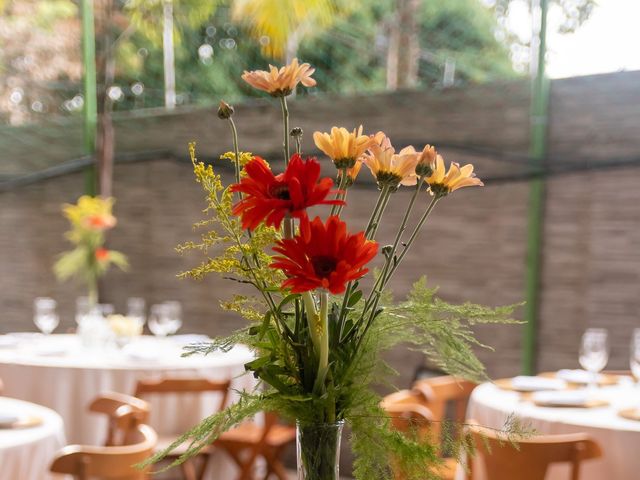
[567, 399]
[528, 384]
[582, 377]
[7, 420]
[630, 414]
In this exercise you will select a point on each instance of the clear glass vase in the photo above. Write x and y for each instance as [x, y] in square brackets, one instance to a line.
[318, 448]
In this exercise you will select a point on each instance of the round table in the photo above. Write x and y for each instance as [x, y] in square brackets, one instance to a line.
[58, 372]
[26, 453]
[619, 438]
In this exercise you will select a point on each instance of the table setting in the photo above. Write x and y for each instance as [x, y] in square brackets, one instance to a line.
[30, 435]
[604, 405]
[109, 352]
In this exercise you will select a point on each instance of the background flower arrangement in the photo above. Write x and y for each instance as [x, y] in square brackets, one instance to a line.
[90, 219]
[317, 332]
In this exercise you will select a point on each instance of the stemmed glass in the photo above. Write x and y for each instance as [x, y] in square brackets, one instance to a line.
[174, 313]
[135, 309]
[159, 321]
[45, 316]
[594, 353]
[634, 357]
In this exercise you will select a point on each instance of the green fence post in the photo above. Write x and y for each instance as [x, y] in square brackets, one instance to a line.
[538, 150]
[90, 91]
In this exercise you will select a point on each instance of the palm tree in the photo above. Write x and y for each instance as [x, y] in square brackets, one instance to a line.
[280, 25]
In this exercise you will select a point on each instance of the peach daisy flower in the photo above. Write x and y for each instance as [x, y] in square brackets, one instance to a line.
[281, 82]
[442, 183]
[388, 167]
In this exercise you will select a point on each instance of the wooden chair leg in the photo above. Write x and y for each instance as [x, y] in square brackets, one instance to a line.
[188, 470]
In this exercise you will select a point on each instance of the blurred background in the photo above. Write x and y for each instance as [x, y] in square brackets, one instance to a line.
[542, 96]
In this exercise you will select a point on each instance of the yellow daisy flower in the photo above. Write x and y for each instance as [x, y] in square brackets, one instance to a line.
[281, 82]
[342, 146]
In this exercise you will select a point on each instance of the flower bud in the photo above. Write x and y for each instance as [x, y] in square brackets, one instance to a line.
[225, 111]
[426, 161]
[296, 132]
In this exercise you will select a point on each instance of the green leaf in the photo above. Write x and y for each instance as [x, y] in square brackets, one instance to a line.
[354, 298]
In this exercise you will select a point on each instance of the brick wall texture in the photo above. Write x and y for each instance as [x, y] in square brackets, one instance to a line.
[473, 248]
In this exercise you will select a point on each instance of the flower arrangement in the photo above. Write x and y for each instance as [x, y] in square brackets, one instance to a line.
[124, 326]
[317, 323]
[90, 219]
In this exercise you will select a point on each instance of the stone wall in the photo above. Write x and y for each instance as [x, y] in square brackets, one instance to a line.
[473, 248]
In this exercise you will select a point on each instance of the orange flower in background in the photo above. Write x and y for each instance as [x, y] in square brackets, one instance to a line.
[269, 197]
[388, 167]
[442, 183]
[342, 146]
[323, 255]
[281, 82]
[100, 221]
[102, 254]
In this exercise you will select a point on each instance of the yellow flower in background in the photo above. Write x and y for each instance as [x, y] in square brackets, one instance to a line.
[388, 167]
[342, 146]
[91, 213]
[281, 82]
[442, 183]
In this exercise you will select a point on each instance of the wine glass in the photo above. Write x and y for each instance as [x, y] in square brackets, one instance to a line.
[174, 312]
[594, 352]
[135, 308]
[105, 309]
[45, 316]
[159, 322]
[634, 358]
[83, 309]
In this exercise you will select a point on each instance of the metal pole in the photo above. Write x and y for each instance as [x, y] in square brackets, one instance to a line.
[538, 150]
[168, 52]
[89, 87]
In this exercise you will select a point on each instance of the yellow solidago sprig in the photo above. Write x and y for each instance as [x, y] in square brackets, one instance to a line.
[442, 182]
[391, 169]
[343, 147]
[224, 234]
[283, 81]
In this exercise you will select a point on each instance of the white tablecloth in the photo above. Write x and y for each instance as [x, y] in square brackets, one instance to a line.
[59, 373]
[26, 453]
[619, 438]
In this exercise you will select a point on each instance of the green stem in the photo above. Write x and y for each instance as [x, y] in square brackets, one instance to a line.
[236, 151]
[323, 352]
[310, 306]
[374, 213]
[412, 238]
[298, 145]
[285, 120]
[93, 289]
[336, 209]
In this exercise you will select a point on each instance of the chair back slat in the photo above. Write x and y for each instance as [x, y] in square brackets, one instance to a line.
[440, 392]
[529, 459]
[184, 385]
[125, 413]
[108, 463]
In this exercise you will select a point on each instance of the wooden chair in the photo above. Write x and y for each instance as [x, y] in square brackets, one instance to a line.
[107, 463]
[144, 388]
[248, 441]
[125, 413]
[438, 394]
[530, 459]
[410, 416]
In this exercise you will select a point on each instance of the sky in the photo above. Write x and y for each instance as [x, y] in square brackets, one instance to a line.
[608, 42]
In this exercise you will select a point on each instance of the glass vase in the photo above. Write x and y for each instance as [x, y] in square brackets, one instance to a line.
[318, 449]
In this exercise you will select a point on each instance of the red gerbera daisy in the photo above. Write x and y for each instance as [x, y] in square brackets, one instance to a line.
[323, 256]
[270, 197]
